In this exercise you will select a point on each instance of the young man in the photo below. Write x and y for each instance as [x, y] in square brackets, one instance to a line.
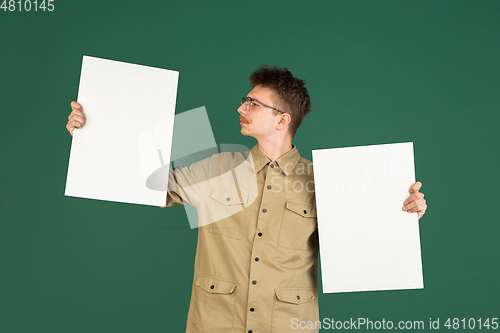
[257, 253]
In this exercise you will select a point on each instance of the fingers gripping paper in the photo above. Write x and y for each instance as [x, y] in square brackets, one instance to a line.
[367, 241]
[121, 102]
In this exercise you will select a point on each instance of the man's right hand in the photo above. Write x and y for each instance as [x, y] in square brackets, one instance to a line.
[75, 118]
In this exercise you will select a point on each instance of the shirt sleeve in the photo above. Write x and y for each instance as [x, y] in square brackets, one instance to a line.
[187, 184]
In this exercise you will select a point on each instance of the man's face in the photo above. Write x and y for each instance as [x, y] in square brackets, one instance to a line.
[260, 122]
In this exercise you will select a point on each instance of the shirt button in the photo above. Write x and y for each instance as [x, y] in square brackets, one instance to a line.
[260, 234]
[252, 309]
[254, 282]
[305, 211]
[257, 259]
[272, 165]
[249, 331]
[298, 297]
[264, 210]
[212, 287]
[227, 199]
[268, 187]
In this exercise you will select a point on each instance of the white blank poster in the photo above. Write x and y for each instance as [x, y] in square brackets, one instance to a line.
[367, 241]
[122, 102]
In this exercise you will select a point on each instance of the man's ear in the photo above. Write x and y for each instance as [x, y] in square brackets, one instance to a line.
[283, 120]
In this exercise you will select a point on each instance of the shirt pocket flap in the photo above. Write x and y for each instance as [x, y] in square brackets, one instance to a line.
[294, 295]
[301, 208]
[229, 198]
[215, 285]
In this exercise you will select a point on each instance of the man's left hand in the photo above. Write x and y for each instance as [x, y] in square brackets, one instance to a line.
[416, 201]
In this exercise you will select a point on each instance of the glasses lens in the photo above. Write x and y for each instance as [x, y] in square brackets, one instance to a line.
[247, 102]
[244, 100]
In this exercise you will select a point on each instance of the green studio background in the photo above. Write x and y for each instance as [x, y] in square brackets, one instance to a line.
[378, 71]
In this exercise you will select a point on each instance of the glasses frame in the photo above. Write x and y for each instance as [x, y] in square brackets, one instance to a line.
[251, 100]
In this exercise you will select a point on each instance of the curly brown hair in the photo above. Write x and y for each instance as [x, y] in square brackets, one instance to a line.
[292, 94]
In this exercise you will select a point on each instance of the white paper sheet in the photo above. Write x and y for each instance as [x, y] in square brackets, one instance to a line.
[367, 242]
[121, 102]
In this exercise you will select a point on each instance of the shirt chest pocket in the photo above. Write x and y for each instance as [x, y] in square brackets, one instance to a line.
[227, 212]
[297, 225]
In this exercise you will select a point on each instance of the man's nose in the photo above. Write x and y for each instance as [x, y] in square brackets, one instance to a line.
[242, 110]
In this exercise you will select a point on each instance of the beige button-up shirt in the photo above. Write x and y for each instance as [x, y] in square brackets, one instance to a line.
[256, 260]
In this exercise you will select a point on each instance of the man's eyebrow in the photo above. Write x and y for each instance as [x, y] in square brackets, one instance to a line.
[256, 100]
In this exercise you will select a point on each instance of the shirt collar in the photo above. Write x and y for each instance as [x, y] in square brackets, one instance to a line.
[286, 162]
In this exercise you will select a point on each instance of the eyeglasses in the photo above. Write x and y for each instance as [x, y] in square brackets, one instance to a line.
[249, 102]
